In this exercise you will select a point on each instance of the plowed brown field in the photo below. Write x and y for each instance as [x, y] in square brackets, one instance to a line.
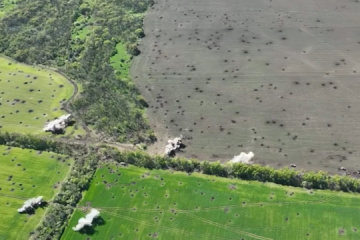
[276, 77]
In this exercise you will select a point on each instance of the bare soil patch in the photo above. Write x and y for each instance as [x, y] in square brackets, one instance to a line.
[276, 77]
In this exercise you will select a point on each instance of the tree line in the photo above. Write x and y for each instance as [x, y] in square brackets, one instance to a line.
[284, 176]
[88, 157]
[61, 208]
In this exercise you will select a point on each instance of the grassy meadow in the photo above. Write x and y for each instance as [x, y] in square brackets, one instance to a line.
[121, 62]
[26, 174]
[30, 96]
[138, 203]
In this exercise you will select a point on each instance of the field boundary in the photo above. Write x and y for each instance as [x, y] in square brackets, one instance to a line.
[89, 156]
[285, 176]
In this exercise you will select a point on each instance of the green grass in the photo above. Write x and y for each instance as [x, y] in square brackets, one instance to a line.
[30, 96]
[76, 131]
[142, 204]
[6, 6]
[121, 62]
[82, 28]
[33, 174]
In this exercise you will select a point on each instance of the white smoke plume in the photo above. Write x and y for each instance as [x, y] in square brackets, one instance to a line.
[58, 124]
[87, 220]
[30, 203]
[243, 158]
[173, 145]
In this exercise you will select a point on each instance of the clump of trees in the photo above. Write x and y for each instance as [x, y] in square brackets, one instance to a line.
[41, 32]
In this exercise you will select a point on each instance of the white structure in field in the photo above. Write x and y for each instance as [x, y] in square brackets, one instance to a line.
[87, 220]
[30, 203]
[243, 158]
[173, 145]
[58, 124]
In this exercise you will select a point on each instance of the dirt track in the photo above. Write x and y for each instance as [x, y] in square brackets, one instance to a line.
[276, 77]
[89, 137]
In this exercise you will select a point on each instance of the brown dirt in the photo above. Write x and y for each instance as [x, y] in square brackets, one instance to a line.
[274, 77]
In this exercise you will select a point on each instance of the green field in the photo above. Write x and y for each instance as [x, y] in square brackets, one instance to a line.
[30, 96]
[142, 204]
[25, 174]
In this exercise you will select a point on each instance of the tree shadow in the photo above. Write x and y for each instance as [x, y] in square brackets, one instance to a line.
[90, 230]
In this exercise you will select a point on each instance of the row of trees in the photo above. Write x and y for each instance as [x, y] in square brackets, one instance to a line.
[63, 205]
[87, 159]
[42, 144]
[285, 176]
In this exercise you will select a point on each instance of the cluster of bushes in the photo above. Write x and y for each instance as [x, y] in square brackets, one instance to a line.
[285, 176]
[40, 32]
